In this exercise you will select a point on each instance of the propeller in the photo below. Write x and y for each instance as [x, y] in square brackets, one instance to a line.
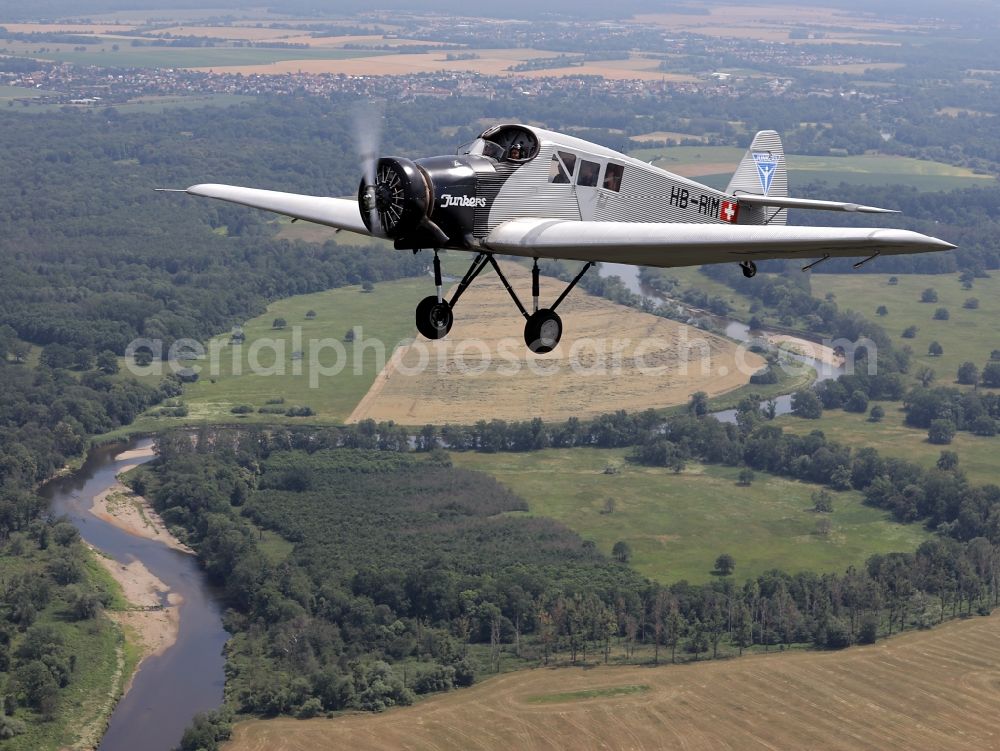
[367, 122]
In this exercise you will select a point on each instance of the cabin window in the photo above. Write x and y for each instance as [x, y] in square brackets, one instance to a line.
[613, 177]
[561, 168]
[589, 172]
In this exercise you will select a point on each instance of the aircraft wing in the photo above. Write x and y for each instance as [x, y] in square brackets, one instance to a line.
[341, 213]
[675, 244]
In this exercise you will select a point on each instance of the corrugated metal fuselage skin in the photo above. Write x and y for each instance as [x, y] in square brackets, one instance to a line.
[471, 195]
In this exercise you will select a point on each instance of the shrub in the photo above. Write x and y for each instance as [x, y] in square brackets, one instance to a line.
[941, 431]
[971, 304]
[968, 374]
[877, 413]
[991, 375]
[882, 310]
[242, 409]
[858, 402]
[929, 295]
[941, 314]
[909, 332]
[868, 631]
[934, 349]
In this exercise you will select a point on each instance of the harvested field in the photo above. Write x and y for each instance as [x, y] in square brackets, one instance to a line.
[776, 23]
[611, 358]
[925, 690]
[666, 135]
[490, 62]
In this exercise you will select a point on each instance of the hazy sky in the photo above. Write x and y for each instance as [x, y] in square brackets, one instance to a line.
[22, 9]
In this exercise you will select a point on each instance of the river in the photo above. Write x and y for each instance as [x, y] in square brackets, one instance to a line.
[168, 689]
[733, 329]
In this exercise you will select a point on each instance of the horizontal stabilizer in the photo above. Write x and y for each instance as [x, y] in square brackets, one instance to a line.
[783, 202]
[342, 213]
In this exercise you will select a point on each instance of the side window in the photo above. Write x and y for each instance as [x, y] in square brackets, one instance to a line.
[561, 168]
[613, 177]
[589, 172]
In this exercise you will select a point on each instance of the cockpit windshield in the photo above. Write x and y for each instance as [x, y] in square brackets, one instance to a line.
[482, 147]
[504, 143]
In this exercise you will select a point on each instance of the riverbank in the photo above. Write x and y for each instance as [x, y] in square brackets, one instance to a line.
[119, 506]
[152, 614]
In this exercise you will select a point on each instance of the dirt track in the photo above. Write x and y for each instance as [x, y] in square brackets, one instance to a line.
[926, 690]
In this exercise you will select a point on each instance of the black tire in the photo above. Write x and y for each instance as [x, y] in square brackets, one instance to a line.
[434, 319]
[749, 269]
[542, 331]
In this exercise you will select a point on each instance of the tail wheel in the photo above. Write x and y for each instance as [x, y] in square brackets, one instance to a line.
[434, 318]
[543, 331]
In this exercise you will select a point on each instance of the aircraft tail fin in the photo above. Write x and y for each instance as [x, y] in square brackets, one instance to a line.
[762, 171]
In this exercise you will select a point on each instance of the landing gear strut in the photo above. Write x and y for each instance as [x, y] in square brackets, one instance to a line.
[749, 269]
[542, 329]
[434, 316]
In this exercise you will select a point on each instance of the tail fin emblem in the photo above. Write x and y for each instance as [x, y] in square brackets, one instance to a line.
[767, 165]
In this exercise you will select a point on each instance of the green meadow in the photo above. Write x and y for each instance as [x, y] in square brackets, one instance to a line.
[677, 524]
[265, 367]
[893, 438]
[968, 334]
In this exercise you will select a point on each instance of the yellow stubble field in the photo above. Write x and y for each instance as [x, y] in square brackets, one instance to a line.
[610, 358]
[935, 689]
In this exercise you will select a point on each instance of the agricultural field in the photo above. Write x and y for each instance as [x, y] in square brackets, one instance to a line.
[484, 361]
[925, 689]
[779, 23]
[968, 335]
[893, 438]
[714, 165]
[677, 524]
[611, 357]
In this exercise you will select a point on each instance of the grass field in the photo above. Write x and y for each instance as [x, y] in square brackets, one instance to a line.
[7, 93]
[176, 57]
[891, 437]
[677, 524]
[968, 335]
[716, 164]
[386, 315]
[924, 690]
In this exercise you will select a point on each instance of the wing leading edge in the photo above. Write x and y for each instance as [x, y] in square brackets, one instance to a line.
[341, 213]
[668, 244]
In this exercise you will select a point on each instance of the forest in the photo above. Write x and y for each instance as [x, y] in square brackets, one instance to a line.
[446, 578]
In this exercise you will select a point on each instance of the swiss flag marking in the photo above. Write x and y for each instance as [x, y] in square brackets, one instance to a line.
[729, 211]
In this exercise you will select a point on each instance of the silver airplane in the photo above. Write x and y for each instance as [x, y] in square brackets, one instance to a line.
[524, 191]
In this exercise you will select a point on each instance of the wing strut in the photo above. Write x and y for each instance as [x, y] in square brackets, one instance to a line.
[863, 261]
[817, 262]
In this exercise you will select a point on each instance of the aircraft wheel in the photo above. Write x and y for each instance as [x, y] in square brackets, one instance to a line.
[434, 319]
[543, 331]
[749, 269]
